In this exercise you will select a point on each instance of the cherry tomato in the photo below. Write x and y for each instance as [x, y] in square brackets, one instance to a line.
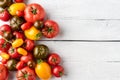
[18, 1]
[26, 26]
[51, 29]
[26, 58]
[29, 44]
[19, 35]
[58, 71]
[4, 46]
[54, 59]
[4, 15]
[26, 74]
[3, 72]
[20, 65]
[5, 31]
[20, 13]
[13, 52]
[34, 12]
[4, 61]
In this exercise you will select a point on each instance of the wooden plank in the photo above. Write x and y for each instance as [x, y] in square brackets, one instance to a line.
[81, 9]
[88, 61]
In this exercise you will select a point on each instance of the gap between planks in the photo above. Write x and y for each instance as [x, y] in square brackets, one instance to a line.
[81, 40]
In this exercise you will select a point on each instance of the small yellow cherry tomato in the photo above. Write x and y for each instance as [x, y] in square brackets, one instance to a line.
[4, 55]
[16, 7]
[33, 33]
[22, 51]
[17, 43]
[43, 70]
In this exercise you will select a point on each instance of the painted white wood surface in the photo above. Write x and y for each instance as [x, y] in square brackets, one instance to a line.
[86, 20]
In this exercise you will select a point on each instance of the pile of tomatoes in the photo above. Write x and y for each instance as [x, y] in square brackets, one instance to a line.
[18, 50]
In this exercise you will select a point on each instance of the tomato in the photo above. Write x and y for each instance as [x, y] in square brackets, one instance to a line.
[4, 15]
[31, 64]
[4, 55]
[58, 71]
[20, 13]
[33, 33]
[19, 35]
[15, 7]
[29, 44]
[54, 59]
[20, 65]
[34, 12]
[26, 58]
[51, 29]
[26, 26]
[3, 72]
[13, 52]
[4, 46]
[4, 61]
[17, 43]
[5, 31]
[18, 1]
[26, 74]
[43, 70]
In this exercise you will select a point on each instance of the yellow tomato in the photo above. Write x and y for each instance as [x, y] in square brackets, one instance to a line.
[15, 7]
[4, 55]
[17, 43]
[33, 33]
[43, 70]
[22, 51]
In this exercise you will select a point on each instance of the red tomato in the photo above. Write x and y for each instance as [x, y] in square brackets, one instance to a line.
[29, 44]
[4, 61]
[20, 13]
[58, 71]
[26, 26]
[51, 29]
[5, 28]
[18, 1]
[54, 59]
[13, 53]
[20, 65]
[34, 12]
[4, 15]
[26, 58]
[19, 35]
[3, 72]
[4, 46]
[26, 74]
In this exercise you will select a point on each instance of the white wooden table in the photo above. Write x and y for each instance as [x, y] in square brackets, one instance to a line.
[82, 22]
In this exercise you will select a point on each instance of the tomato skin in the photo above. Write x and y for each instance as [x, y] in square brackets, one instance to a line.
[18, 1]
[29, 44]
[20, 65]
[4, 15]
[13, 52]
[5, 28]
[20, 13]
[26, 26]
[19, 35]
[51, 29]
[4, 61]
[58, 71]
[34, 12]
[43, 70]
[4, 46]
[3, 72]
[54, 59]
[26, 58]
[26, 74]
